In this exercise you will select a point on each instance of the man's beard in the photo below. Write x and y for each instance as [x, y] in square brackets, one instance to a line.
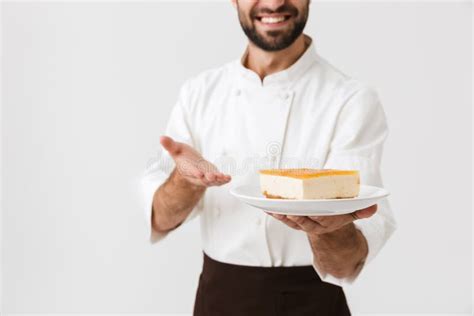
[278, 39]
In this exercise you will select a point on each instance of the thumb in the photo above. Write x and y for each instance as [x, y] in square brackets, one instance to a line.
[366, 212]
[174, 148]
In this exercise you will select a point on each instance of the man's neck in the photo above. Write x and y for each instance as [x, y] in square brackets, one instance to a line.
[265, 63]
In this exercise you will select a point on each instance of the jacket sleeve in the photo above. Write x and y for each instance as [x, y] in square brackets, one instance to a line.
[160, 167]
[357, 143]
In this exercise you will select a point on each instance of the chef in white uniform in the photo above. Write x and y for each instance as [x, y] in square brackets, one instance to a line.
[280, 105]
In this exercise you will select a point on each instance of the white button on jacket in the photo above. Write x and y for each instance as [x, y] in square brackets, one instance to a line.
[309, 115]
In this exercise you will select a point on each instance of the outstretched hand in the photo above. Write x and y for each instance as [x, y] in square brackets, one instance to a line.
[192, 166]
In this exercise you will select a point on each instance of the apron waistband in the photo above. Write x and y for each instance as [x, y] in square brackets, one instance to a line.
[275, 275]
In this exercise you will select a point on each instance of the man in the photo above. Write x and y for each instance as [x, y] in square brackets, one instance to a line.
[280, 105]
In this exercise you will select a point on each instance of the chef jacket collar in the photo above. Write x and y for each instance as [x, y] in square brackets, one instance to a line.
[283, 77]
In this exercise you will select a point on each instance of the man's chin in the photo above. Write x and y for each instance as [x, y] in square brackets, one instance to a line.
[270, 40]
[275, 43]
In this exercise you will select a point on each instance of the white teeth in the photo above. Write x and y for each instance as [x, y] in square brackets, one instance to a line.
[272, 20]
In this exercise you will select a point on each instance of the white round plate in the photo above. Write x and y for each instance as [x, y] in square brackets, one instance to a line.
[251, 195]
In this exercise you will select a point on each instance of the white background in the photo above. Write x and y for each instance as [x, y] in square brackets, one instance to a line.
[87, 89]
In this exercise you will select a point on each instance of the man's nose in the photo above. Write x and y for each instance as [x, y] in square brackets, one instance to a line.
[272, 4]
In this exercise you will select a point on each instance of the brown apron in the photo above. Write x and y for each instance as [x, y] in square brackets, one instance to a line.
[228, 289]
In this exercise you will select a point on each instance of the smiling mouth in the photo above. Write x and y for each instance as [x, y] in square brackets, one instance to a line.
[273, 19]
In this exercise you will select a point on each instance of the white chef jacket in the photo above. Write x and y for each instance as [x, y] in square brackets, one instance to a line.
[308, 115]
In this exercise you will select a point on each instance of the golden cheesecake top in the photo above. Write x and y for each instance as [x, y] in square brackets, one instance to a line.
[306, 173]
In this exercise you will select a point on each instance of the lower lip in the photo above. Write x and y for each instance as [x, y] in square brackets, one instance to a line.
[274, 25]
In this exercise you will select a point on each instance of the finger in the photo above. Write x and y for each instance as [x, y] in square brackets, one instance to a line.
[219, 174]
[221, 182]
[217, 183]
[279, 217]
[365, 212]
[222, 177]
[332, 222]
[324, 221]
[284, 220]
[170, 145]
[359, 214]
[305, 223]
[165, 139]
[287, 221]
[213, 179]
[211, 176]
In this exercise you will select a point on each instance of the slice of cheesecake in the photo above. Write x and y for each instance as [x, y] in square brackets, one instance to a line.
[309, 183]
